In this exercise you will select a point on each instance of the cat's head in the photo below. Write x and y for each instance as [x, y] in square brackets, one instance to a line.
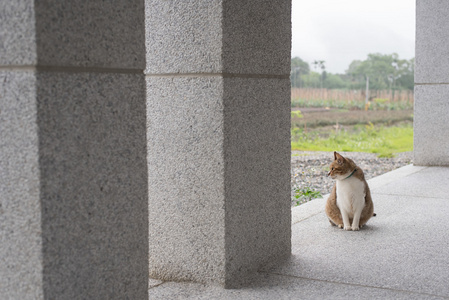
[341, 167]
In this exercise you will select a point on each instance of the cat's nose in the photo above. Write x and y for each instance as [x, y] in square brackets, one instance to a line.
[328, 174]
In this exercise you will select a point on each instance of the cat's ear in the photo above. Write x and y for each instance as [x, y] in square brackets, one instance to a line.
[340, 159]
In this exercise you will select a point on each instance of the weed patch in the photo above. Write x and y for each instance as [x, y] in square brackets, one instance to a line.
[303, 195]
[385, 141]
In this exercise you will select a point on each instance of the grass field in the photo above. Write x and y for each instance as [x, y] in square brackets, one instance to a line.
[385, 141]
[381, 132]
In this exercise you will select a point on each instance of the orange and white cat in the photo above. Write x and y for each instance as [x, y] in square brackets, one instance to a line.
[349, 205]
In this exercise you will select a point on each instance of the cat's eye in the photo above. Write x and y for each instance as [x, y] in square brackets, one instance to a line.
[332, 169]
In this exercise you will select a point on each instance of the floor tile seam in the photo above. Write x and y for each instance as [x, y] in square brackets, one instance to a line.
[415, 172]
[373, 191]
[410, 196]
[310, 216]
[69, 69]
[156, 285]
[353, 284]
[217, 74]
[422, 168]
[399, 177]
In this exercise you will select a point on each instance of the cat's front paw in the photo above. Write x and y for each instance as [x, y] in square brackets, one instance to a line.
[347, 228]
[355, 228]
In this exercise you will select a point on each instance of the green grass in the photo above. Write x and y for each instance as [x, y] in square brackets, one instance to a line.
[385, 141]
[303, 195]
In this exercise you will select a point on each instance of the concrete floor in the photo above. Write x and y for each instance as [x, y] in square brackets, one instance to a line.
[402, 253]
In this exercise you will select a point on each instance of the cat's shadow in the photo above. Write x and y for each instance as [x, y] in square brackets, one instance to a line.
[365, 228]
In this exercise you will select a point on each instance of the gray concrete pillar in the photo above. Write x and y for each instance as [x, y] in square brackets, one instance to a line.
[218, 121]
[431, 126]
[73, 171]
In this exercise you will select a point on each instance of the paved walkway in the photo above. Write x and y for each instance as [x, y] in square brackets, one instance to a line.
[402, 253]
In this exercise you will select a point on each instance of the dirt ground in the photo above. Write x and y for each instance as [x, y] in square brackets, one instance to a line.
[321, 117]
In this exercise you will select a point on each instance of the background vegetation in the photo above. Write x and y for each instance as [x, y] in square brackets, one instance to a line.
[385, 72]
[331, 112]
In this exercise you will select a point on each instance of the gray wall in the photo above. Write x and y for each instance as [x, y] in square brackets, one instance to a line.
[431, 126]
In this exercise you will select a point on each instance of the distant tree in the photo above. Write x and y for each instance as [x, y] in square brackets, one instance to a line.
[405, 78]
[298, 68]
[353, 78]
[378, 68]
[311, 80]
[319, 64]
[353, 67]
[384, 72]
[334, 81]
[298, 62]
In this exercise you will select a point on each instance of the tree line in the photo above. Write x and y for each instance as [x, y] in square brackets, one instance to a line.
[382, 71]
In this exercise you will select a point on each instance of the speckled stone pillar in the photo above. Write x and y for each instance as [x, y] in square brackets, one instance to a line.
[431, 126]
[73, 170]
[218, 119]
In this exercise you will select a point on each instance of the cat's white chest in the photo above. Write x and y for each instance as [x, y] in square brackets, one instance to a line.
[350, 195]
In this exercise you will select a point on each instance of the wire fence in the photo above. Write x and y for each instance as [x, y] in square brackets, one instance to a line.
[351, 95]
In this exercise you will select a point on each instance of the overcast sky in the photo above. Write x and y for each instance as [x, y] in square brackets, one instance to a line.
[340, 31]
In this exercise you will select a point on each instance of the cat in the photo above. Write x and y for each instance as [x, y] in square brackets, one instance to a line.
[349, 205]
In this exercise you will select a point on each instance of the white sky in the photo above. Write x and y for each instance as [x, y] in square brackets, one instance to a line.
[340, 31]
